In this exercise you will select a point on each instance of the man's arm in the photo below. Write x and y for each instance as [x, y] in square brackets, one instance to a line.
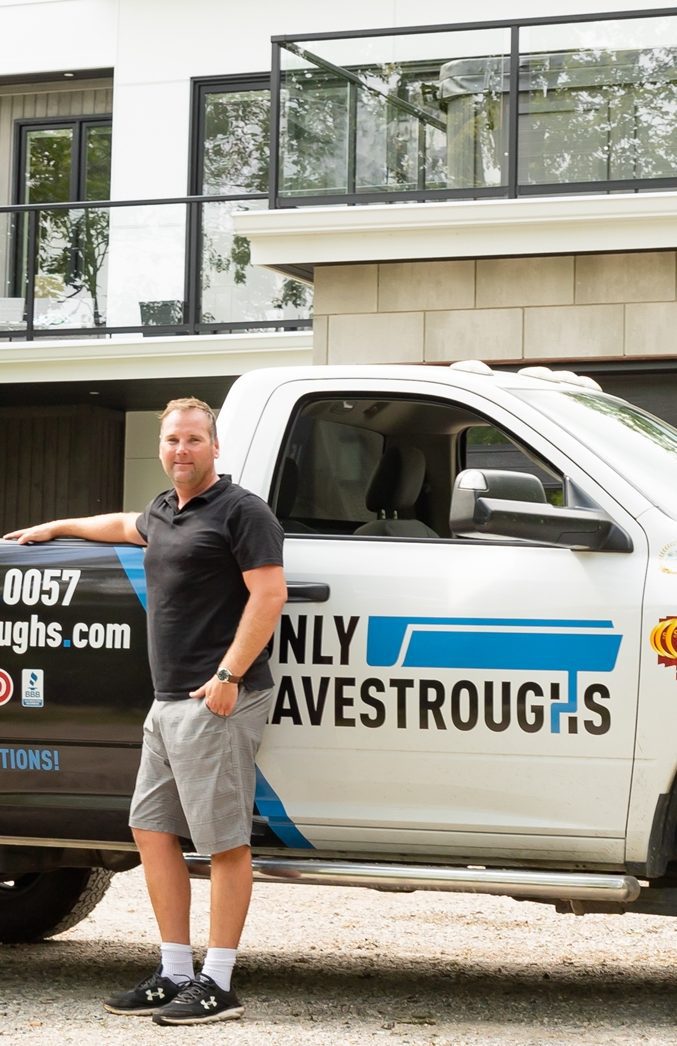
[267, 596]
[115, 527]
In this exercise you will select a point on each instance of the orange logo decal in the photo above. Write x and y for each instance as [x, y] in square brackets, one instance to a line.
[663, 640]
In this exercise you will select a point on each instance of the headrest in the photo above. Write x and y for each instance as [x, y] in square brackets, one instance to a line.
[289, 485]
[397, 480]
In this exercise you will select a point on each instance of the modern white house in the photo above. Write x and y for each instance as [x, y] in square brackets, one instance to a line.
[191, 191]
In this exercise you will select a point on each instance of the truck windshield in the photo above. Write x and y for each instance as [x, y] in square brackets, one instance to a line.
[642, 448]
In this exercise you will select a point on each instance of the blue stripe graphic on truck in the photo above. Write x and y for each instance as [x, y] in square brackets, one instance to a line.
[131, 559]
[523, 644]
[269, 805]
[267, 802]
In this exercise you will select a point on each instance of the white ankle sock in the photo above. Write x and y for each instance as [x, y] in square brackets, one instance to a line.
[177, 961]
[219, 964]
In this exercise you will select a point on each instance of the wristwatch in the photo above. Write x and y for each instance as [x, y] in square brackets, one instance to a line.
[224, 675]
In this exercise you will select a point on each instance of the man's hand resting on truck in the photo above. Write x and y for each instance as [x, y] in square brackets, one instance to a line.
[114, 527]
[41, 532]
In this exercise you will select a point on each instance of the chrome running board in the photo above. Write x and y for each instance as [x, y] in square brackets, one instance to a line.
[508, 882]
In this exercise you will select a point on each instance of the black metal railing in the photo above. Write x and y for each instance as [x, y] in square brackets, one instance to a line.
[156, 267]
[541, 106]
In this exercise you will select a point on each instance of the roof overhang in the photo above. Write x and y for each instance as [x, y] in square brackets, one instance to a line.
[294, 241]
[140, 373]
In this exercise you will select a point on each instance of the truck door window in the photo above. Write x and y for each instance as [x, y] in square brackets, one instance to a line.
[325, 476]
[384, 466]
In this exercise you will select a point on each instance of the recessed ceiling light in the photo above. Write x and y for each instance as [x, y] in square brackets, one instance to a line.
[93, 392]
[69, 76]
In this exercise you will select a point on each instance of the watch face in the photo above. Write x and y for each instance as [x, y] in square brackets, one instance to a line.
[223, 674]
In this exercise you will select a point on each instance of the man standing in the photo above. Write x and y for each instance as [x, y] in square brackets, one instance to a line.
[215, 593]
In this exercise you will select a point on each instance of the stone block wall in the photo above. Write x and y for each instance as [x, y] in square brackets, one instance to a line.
[498, 309]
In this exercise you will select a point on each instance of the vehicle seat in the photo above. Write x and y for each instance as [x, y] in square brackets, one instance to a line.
[286, 497]
[394, 489]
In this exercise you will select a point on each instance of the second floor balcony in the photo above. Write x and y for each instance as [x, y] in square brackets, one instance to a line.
[508, 108]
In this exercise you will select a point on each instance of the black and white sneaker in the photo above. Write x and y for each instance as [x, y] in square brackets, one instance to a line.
[200, 1002]
[147, 997]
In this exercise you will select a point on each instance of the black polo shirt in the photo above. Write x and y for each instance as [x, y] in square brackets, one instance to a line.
[194, 564]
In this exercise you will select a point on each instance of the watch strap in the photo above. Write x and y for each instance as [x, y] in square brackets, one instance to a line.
[224, 675]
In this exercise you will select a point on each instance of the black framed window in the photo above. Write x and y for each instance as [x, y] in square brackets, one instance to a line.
[232, 141]
[60, 161]
[230, 158]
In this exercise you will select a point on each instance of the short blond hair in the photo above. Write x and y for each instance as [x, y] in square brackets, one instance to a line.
[191, 403]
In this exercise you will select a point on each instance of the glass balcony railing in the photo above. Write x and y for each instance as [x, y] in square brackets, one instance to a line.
[539, 106]
[152, 267]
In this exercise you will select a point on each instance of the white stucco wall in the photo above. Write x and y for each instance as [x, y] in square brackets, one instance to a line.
[57, 35]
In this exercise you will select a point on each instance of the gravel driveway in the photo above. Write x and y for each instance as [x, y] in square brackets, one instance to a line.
[341, 967]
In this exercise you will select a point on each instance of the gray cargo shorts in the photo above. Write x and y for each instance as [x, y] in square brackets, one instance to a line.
[197, 774]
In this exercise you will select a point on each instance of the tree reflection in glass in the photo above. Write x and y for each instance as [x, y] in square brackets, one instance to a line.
[600, 110]
[236, 153]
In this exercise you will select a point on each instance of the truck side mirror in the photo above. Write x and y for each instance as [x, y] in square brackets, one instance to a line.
[496, 504]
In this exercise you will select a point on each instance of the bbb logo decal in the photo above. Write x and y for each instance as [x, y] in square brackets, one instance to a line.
[6, 687]
[663, 641]
[32, 688]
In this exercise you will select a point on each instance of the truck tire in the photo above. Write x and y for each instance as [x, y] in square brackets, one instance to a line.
[42, 904]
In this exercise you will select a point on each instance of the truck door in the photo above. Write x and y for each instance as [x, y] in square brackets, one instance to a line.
[444, 696]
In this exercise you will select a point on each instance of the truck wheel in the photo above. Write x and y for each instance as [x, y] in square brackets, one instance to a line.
[42, 904]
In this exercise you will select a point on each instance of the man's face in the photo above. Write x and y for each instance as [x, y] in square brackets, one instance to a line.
[187, 451]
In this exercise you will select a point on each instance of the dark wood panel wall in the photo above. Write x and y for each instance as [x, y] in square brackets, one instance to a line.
[58, 462]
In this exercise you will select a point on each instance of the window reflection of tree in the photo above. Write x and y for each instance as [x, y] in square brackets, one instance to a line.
[72, 243]
[384, 129]
[236, 161]
[645, 425]
[237, 142]
[588, 114]
[599, 113]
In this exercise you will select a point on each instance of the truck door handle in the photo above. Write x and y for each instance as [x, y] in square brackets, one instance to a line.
[307, 592]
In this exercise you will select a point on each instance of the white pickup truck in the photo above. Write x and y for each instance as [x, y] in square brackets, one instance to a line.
[476, 673]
